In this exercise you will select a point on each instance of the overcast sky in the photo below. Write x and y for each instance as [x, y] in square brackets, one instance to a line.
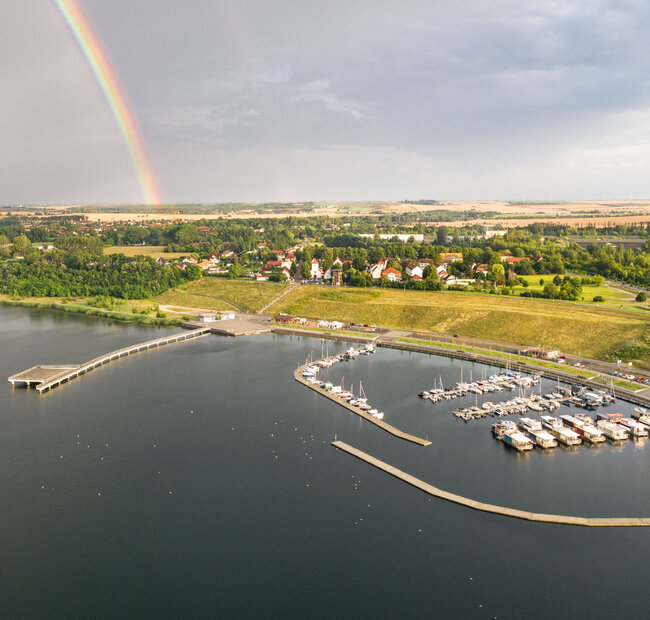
[289, 100]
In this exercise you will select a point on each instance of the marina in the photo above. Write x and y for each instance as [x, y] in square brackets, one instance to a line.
[306, 374]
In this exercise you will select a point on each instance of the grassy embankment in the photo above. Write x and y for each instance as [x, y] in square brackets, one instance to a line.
[587, 374]
[591, 331]
[174, 304]
[221, 294]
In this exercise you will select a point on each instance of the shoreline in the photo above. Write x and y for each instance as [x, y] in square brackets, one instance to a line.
[101, 313]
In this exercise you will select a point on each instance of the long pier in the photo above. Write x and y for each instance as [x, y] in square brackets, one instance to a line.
[492, 508]
[46, 382]
[362, 414]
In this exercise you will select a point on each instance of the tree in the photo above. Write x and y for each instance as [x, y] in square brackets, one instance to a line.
[305, 269]
[21, 243]
[234, 271]
[193, 272]
[278, 275]
[598, 298]
[551, 290]
[642, 296]
[497, 274]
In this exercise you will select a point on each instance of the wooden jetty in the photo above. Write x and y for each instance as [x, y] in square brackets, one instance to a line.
[362, 414]
[499, 510]
[48, 377]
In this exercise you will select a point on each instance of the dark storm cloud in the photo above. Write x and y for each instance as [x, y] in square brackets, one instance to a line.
[254, 100]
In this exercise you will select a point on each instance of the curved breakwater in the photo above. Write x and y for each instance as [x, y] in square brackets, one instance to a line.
[483, 507]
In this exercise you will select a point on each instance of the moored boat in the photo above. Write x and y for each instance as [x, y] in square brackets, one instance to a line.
[584, 428]
[534, 430]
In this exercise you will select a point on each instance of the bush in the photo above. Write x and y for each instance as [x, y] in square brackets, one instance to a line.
[598, 298]
[642, 296]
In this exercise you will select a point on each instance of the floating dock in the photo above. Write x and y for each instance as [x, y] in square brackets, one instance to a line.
[499, 510]
[362, 414]
[48, 377]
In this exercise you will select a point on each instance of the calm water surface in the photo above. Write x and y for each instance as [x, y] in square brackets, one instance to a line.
[198, 481]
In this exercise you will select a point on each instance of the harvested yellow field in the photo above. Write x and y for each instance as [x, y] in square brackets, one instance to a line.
[144, 250]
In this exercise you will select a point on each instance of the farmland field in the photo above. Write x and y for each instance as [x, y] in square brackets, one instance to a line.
[144, 250]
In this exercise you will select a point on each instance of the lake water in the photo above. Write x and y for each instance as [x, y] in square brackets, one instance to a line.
[198, 481]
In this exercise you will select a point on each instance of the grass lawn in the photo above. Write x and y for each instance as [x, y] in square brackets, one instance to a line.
[144, 250]
[222, 294]
[586, 330]
[614, 298]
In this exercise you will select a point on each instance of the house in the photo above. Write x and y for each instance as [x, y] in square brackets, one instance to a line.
[190, 260]
[227, 254]
[161, 261]
[205, 264]
[425, 262]
[481, 268]
[392, 274]
[450, 257]
[513, 260]
[448, 279]
[279, 254]
[377, 269]
[464, 281]
[207, 318]
[262, 277]
[413, 270]
[215, 258]
[226, 315]
[340, 262]
[287, 273]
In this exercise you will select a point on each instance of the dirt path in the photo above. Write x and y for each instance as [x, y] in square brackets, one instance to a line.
[278, 298]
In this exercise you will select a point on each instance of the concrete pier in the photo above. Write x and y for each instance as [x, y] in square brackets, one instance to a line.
[48, 377]
[362, 414]
[499, 510]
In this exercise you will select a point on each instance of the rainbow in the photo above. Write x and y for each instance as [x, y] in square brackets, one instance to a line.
[114, 94]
